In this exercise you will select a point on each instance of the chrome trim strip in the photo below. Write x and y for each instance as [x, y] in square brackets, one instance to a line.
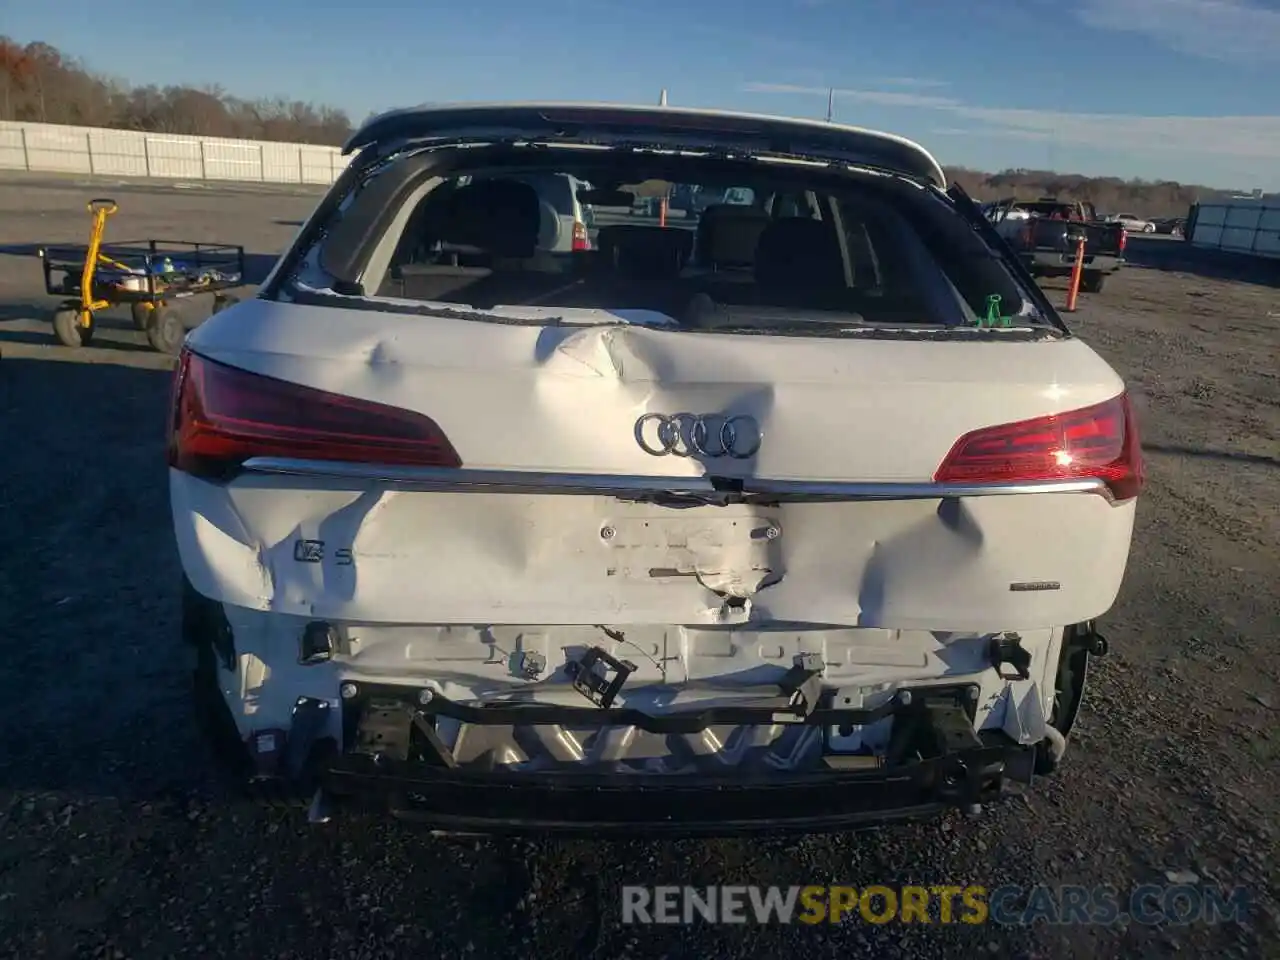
[818, 490]
[494, 481]
[486, 479]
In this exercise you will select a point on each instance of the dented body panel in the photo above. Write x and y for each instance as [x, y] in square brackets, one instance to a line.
[565, 399]
[391, 553]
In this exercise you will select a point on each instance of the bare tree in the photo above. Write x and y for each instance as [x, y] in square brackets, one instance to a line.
[16, 74]
[38, 82]
[1108, 194]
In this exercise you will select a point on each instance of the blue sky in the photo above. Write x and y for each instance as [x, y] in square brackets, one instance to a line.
[1163, 89]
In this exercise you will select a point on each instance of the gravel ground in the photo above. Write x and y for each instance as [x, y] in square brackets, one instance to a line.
[114, 842]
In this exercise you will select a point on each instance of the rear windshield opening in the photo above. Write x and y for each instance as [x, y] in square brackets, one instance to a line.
[757, 246]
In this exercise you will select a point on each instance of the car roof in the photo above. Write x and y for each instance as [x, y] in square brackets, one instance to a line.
[655, 127]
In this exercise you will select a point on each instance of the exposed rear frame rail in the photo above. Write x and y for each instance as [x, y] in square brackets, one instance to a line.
[785, 707]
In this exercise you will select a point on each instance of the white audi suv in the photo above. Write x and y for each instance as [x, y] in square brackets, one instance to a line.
[794, 513]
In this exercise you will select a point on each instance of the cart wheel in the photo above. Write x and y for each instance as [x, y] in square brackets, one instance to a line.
[165, 331]
[67, 328]
[141, 312]
[223, 301]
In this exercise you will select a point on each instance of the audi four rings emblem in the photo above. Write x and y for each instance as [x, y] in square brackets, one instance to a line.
[687, 434]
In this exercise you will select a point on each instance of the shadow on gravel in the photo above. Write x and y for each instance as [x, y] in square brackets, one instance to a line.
[90, 579]
[1226, 455]
[287, 223]
[42, 313]
[1181, 257]
[25, 310]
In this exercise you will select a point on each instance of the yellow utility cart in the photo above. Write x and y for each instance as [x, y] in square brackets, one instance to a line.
[148, 275]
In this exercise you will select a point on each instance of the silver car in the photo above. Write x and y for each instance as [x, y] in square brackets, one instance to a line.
[565, 219]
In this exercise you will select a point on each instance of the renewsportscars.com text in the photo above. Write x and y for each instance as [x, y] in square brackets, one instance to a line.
[970, 904]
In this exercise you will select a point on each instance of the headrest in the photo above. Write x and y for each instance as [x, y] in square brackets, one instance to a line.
[797, 253]
[728, 233]
[500, 217]
[637, 249]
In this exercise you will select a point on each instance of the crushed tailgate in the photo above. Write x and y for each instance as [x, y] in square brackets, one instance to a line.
[845, 526]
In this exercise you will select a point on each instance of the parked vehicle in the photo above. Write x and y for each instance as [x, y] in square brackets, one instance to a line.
[1134, 223]
[1171, 226]
[565, 219]
[1045, 234]
[800, 519]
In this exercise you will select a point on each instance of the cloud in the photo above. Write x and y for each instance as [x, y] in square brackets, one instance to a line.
[1215, 29]
[1239, 138]
[887, 98]
[917, 82]
[986, 133]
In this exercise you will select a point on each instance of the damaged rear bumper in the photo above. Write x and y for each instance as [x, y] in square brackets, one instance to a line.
[393, 760]
[694, 806]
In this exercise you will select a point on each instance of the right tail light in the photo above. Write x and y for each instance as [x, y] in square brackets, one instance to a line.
[1099, 442]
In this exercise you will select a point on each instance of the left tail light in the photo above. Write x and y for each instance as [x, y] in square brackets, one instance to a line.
[221, 416]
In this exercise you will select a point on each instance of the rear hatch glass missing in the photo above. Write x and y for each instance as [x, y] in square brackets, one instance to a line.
[762, 251]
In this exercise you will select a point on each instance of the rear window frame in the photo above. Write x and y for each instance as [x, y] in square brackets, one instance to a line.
[398, 176]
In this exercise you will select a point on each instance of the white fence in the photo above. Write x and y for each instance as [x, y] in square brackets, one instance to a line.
[54, 148]
[1241, 226]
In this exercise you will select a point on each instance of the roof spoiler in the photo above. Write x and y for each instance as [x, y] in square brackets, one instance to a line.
[651, 127]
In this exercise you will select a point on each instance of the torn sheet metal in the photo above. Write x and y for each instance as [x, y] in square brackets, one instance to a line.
[1024, 716]
[676, 668]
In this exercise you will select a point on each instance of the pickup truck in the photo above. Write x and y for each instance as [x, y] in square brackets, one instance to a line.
[1044, 232]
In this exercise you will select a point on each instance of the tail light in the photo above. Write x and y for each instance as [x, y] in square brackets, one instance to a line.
[580, 239]
[1029, 234]
[1124, 238]
[1099, 442]
[222, 416]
